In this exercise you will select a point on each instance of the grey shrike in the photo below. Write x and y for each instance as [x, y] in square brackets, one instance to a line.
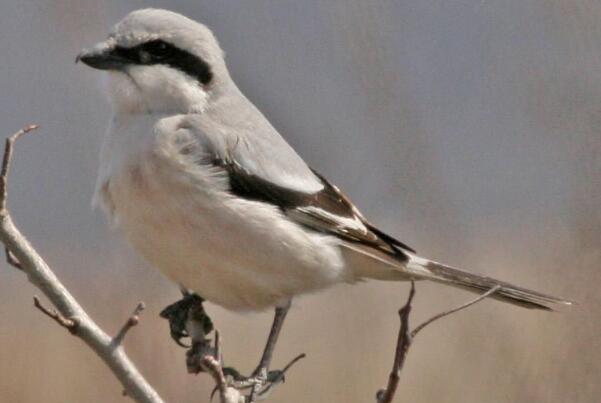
[206, 190]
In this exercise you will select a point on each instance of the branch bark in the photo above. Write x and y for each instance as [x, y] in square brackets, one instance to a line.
[406, 337]
[68, 313]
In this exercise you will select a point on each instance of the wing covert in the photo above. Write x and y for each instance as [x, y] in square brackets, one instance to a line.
[328, 210]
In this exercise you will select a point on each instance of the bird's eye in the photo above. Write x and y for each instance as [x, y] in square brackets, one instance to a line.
[157, 49]
[145, 57]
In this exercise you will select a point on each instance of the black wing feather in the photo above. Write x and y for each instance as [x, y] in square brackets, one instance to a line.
[317, 210]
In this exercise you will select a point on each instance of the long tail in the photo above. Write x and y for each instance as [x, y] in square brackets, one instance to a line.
[510, 293]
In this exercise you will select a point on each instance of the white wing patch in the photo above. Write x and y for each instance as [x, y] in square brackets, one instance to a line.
[313, 215]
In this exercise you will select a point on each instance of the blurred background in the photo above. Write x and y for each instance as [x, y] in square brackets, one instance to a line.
[471, 130]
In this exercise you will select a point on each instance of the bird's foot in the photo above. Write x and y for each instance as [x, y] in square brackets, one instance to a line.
[261, 383]
[187, 319]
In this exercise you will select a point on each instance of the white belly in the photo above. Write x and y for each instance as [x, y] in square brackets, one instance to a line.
[240, 254]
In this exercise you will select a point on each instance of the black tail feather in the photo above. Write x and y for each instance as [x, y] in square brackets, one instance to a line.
[475, 283]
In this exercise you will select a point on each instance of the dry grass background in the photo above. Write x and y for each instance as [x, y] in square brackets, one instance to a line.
[476, 126]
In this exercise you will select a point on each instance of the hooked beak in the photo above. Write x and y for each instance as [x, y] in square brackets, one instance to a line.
[102, 56]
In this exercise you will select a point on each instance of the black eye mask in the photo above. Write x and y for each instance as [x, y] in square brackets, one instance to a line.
[161, 52]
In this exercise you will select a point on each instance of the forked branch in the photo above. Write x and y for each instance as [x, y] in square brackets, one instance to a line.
[67, 312]
[406, 336]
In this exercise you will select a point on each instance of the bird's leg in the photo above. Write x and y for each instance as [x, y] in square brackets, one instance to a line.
[262, 379]
[274, 333]
[188, 319]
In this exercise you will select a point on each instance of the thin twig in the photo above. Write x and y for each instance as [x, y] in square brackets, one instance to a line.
[402, 347]
[8, 152]
[68, 312]
[213, 365]
[457, 309]
[69, 324]
[406, 337]
[132, 321]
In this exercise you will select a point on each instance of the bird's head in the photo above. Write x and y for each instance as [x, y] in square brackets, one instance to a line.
[160, 61]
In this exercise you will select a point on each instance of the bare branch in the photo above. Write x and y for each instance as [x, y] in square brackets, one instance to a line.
[402, 347]
[132, 321]
[457, 309]
[8, 152]
[213, 366]
[227, 394]
[67, 308]
[406, 337]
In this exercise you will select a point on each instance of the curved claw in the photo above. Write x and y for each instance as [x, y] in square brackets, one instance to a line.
[276, 376]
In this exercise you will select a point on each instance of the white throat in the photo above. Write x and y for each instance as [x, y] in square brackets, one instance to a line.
[155, 89]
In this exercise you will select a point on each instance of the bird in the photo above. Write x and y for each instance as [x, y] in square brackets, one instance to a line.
[210, 193]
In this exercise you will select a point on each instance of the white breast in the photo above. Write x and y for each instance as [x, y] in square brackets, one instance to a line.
[178, 214]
